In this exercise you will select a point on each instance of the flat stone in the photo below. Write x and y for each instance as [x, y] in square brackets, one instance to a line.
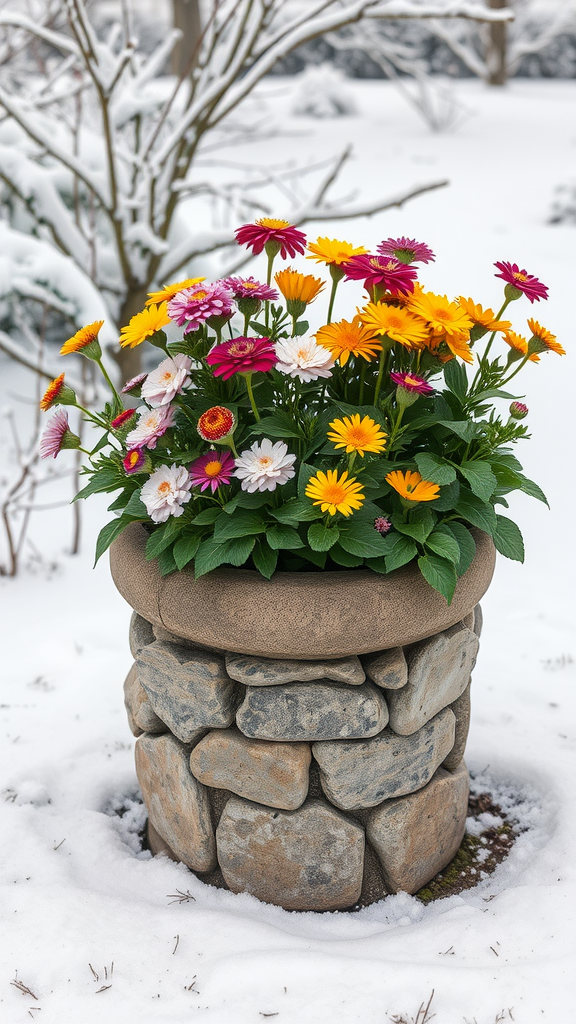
[438, 672]
[416, 836]
[478, 620]
[468, 620]
[309, 859]
[276, 672]
[312, 711]
[363, 773]
[141, 716]
[387, 669]
[178, 805]
[188, 689]
[268, 773]
[140, 634]
[461, 711]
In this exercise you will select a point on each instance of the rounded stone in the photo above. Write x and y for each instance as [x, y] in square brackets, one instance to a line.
[306, 615]
[312, 711]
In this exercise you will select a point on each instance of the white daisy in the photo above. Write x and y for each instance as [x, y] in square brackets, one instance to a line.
[166, 491]
[303, 358]
[167, 380]
[263, 466]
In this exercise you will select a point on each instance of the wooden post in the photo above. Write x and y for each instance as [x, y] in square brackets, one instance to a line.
[496, 51]
[186, 18]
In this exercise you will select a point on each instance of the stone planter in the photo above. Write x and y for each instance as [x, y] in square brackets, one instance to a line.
[302, 739]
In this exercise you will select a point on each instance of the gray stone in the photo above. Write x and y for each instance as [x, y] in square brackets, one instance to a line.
[140, 634]
[312, 711]
[188, 689]
[461, 711]
[268, 773]
[387, 669]
[275, 672]
[416, 836]
[478, 620]
[438, 671]
[178, 805]
[363, 773]
[309, 859]
[141, 716]
[468, 620]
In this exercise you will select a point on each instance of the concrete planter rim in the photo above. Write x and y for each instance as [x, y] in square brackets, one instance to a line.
[304, 615]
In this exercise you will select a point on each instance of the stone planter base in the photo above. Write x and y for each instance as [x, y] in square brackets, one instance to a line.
[313, 785]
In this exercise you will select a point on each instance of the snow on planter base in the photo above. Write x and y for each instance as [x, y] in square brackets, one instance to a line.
[289, 819]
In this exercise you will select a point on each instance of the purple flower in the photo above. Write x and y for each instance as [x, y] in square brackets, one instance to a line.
[407, 250]
[57, 435]
[193, 306]
[382, 525]
[385, 272]
[152, 424]
[412, 382]
[211, 470]
[249, 288]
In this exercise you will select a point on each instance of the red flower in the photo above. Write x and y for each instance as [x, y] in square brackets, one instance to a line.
[273, 235]
[381, 271]
[523, 282]
[412, 382]
[122, 418]
[216, 423]
[242, 355]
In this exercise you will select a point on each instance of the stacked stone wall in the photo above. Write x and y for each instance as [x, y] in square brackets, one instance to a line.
[313, 785]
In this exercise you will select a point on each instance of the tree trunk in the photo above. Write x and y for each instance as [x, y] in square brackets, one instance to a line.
[129, 360]
[496, 51]
[185, 53]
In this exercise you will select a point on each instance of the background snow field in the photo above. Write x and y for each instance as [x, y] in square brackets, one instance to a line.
[95, 928]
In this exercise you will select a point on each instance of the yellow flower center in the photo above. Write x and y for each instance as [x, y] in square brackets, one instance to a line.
[520, 276]
[241, 348]
[334, 493]
[250, 284]
[166, 377]
[273, 223]
[213, 468]
[199, 295]
[133, 458]
[164, 487]
[411, 380]
[265, 461]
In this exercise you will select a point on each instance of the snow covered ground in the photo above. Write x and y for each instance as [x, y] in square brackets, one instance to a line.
[79, 897]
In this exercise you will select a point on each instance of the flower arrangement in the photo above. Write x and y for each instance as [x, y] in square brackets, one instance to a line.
[374, 441]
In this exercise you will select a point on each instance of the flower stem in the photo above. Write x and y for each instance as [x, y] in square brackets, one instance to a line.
[362, 379]
[383, 354]
[331, 303]
[247, 378]
[483, 358]
[108, 381]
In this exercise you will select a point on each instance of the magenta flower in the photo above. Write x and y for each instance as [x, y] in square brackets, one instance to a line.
[136, 461]
[134, 383]
[412, 382]
[273, 235]
[152, 424]
[122, 419]
[193, 306]
[249, 288]
[57, 435]
[524, 282]
[382, 525]
[242, 355]
[407, 250]
[381, 271]
[211, 470]
[518, 410]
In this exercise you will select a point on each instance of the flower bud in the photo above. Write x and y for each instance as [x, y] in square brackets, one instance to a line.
[518, 410]
[382, 525]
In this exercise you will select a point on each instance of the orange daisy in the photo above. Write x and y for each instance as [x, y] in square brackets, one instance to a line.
[348, 338]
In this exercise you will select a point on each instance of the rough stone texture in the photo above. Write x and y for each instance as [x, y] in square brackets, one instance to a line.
[478, 620]
[140, 634]
[275, 672]
[178, 806]
[468, 620]
[438, 672]
[387, 669]
[268, 773]
[461, 710]
[309, 859]
[418, 835]
[141, 716]
[363, 773]
[312, 711]
[188, 689]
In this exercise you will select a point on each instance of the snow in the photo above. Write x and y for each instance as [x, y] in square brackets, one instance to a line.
[77, 890]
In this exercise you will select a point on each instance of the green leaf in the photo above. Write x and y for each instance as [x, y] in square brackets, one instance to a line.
[480, 477]
[283, 536]
[399, 551]
[211, 554]
[448, 497]
[316, 557]
[508, 539]
[185, 548]
[465, 541]
[243, 523]
[361, 539]
[304, 475]
[465, 429]
[108, 534]
[240, 549]
[532, 489]
[440, 544]
[418, 528]
[136, 507]
[433, 468]
[377, 565]
[264, 558]
[162, 537]
[102, 480]
[342, 557]
[281, 424]
[207, 516]
[480, 513]
[166, 562]
[296, 511]
[440, 574]
[456, 379]
[301, 327]
[321, 537]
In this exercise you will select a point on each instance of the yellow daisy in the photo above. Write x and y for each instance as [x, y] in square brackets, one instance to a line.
[457, 345]
[332, 251]
[410, 485]
[397, 323]
[85, 336]
[482, 317]
[444, 317]
[546, 337]
[348, 338]
[298, 287]
[333, 493]
[356, 435]
[168, 291]
[57, 393]
[144, 324]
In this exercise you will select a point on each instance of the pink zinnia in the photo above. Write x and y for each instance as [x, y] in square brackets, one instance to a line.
[152, 424]
[57, 435]
[134, 383]
[249, 288]
[193, 306]
[381, 271]
[524, 282]
[274, 235]
[412, 382]
[407, 250]
[242, 355]
[211, 470]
